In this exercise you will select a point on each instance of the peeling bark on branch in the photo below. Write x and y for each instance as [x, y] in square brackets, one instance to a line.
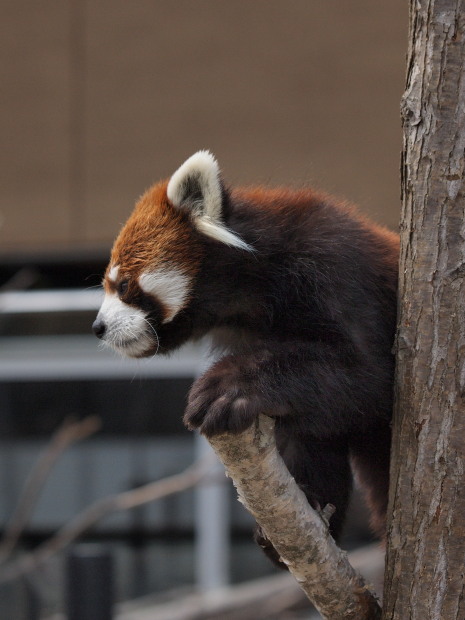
[425, 567]
[297, 532]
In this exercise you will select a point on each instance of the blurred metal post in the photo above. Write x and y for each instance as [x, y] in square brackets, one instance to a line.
[89, 583]
[212, 526]
[32, 600]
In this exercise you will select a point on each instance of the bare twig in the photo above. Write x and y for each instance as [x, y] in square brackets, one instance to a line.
[297, 532]
[95, 512]
[69, 432]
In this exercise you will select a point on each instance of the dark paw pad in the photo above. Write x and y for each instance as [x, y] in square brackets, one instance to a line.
[228, 413]
[222, 401]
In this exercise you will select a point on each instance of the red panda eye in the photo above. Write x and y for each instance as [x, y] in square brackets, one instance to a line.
[122, 287]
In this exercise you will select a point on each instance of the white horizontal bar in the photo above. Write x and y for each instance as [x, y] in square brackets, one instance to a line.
[63, 300]
[59, 358]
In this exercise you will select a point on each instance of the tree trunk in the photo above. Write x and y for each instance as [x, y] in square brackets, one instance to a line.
[426, 548]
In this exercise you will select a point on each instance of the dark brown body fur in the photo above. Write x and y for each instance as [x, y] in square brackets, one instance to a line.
[307, 322]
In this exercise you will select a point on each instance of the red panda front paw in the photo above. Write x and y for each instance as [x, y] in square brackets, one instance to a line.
[220, 403]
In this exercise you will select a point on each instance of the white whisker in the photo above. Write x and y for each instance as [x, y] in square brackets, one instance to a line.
[155, 334]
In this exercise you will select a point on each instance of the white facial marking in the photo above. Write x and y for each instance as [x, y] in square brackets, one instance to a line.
[170, 286]
[127, 329]
[113, 273]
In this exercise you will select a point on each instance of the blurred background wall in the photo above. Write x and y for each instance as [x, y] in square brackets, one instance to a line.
[100, 99]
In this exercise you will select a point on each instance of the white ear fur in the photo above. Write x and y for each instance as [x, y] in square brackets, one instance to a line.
[201, 172]
[197, 183]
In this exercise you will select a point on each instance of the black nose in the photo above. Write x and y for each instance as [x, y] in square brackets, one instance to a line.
[99, 327]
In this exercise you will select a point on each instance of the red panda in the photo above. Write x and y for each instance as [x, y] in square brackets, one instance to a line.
[297, 291]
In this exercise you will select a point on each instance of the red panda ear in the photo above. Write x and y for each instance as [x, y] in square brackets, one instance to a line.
[196, 186]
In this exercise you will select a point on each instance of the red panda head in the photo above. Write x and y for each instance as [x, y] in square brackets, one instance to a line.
[157, 256]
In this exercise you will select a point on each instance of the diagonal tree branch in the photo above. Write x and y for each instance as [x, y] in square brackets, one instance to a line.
[298, 533]
[191, 476]
[68, 433]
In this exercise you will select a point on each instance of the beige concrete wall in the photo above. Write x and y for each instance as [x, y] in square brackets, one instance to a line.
[101, 98]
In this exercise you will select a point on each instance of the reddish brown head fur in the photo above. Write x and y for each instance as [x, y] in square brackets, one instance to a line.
[156, 235]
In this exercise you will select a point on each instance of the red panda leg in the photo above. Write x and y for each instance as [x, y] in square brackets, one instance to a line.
[370, 459]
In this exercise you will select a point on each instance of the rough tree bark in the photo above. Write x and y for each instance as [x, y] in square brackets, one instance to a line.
[298, 532]
[426, 553]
